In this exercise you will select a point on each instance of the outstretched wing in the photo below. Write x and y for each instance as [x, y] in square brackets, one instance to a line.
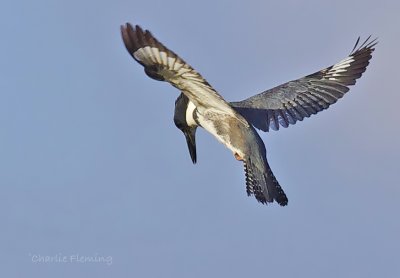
[162, 64]
[293, 101]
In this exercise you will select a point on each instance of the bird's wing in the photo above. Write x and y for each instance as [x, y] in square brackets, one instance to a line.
[293, 101]
[162, 64]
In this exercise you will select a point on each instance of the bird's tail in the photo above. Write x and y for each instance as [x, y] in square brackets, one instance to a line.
[261, 182]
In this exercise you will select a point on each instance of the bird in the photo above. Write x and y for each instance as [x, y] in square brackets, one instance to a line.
[234, 124]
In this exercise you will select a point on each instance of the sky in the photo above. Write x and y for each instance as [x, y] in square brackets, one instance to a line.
[96, 181]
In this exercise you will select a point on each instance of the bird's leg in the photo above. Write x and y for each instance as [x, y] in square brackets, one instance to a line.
[238, 157]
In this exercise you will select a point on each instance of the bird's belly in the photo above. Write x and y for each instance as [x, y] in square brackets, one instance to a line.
[222, 129]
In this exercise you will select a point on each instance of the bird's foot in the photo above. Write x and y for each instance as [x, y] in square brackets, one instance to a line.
[238, 157]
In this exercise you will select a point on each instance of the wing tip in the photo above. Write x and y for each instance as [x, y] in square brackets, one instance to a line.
[133, 37]
[367, 44]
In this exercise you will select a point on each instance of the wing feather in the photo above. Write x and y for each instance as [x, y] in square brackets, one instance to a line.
[293, 101]
[162, 64]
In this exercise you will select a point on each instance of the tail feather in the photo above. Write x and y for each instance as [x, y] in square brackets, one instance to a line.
[261, 182]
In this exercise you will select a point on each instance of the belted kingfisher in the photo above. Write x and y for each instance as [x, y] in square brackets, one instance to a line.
[233, 124]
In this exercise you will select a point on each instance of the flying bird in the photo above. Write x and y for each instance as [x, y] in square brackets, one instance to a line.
[234, 123]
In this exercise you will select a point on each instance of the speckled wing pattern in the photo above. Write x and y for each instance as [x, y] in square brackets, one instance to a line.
[293, 101]
[162, 64]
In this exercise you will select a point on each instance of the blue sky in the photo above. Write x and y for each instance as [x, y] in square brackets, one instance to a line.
[92, 164]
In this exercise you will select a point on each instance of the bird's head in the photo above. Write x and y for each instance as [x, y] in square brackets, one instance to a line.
[183, 119]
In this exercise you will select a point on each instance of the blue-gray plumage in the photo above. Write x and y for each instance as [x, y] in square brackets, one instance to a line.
[232, 123]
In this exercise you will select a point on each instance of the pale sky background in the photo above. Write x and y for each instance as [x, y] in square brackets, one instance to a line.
[92, 164]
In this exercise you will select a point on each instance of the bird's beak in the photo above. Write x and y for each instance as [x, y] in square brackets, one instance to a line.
[190, 135]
